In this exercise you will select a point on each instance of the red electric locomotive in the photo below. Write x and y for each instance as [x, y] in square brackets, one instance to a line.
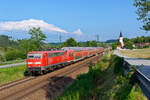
[43, 61]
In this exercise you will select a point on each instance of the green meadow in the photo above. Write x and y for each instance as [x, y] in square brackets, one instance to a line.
[11, 73]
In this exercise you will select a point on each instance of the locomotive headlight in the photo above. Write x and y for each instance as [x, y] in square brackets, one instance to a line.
[29, 62]
[34, 62]
[37, 63]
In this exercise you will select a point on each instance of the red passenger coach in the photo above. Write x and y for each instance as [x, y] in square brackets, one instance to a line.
[43, 61]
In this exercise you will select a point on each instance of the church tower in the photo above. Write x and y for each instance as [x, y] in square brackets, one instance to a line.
[121, 40]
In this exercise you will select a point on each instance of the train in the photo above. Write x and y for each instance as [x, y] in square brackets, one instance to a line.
[43, 61]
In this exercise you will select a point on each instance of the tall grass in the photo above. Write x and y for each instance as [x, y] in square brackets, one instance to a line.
[85, 85]
[11, 73]
[117, 63]
[104, 81]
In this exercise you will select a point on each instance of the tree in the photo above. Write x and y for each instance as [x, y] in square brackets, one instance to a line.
[129, 45]
[80, 44]
[2, 58]
[71, 42]
[126, 40]
[37, 37]
[102, 44]
[143, 12]
[13, 54]
[114, 46]
[26, 46]
[87, 44]
[94, 43]
[91, 43]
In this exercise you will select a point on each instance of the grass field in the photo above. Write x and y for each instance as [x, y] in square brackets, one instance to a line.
[137, 53]
[11, 73]
[105, 81]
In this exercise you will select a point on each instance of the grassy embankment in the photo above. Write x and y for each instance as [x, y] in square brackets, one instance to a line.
[137, 53]
[104, 81]
[11, 73]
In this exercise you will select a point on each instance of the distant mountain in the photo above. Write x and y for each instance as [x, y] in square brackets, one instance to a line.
[111, 41]
[55, 44]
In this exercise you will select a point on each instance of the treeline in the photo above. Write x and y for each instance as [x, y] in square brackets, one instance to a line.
[138, 43]
[18, 49]
[71, 42]
[142, 39]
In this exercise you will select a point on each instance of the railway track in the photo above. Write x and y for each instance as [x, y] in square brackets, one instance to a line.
[51, 84]
[11, 84]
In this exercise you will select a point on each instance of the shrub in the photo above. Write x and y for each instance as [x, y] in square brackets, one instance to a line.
[129, 45]
[2, 58]
[14, 54]
[117, 63]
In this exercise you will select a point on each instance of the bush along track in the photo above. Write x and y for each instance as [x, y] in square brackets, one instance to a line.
[104, 81]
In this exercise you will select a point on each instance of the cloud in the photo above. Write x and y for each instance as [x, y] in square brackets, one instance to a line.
[78, 32]
[25, 25]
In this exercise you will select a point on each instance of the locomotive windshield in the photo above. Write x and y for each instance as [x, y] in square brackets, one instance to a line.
[30, 56]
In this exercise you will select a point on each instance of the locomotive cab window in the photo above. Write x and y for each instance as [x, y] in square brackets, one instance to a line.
[31, 56]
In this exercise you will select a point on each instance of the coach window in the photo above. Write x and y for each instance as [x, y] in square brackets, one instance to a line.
[63, 53]
[50, 55]
[55, 54]
[60, 53]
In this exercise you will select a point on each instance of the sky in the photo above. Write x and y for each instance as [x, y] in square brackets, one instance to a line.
[80, 19]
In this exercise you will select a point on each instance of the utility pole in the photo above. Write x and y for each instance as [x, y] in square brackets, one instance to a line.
[97, 38]
[60, 38]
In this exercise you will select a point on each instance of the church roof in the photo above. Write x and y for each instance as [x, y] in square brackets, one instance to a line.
[120, 34]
